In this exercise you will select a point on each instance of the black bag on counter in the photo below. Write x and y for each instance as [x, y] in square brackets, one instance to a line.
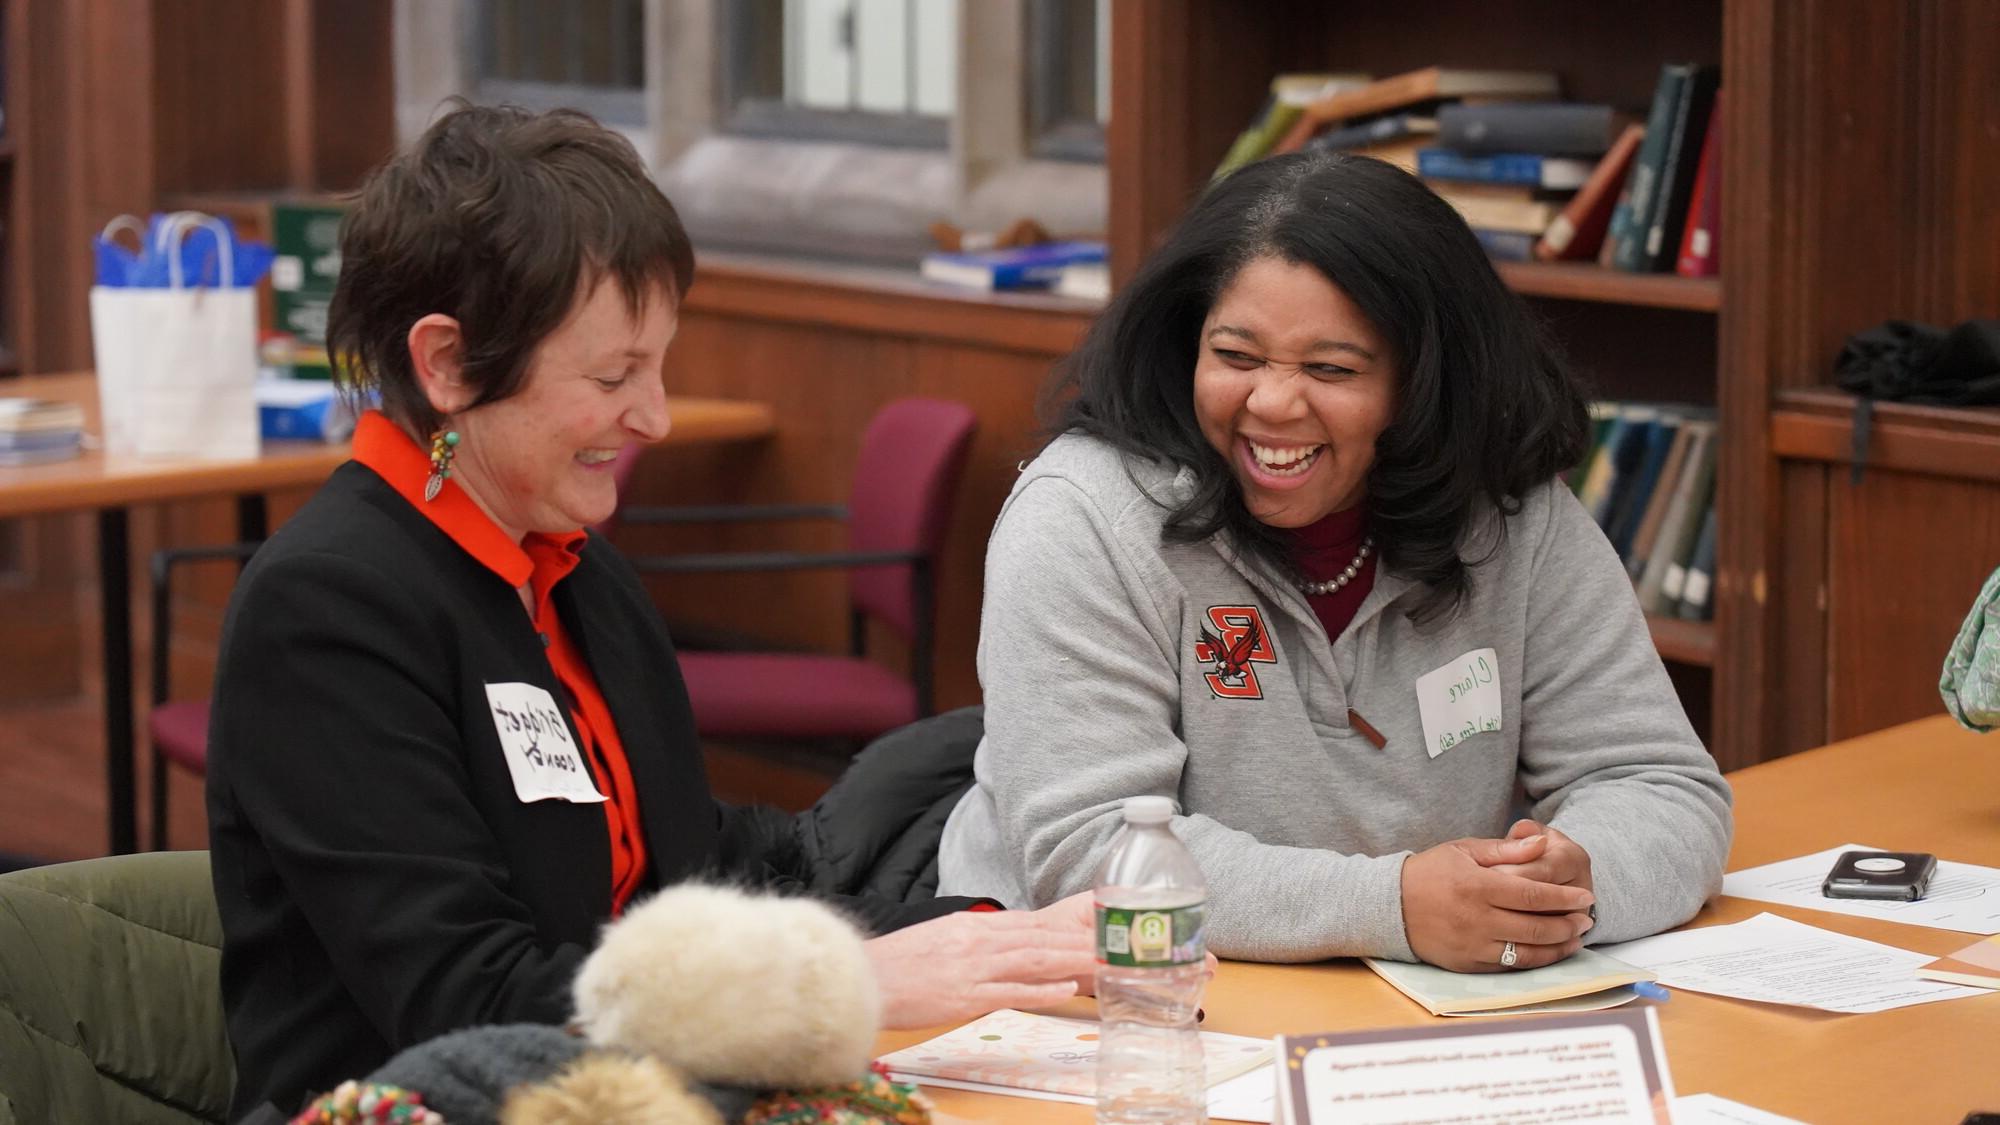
[1903, 361]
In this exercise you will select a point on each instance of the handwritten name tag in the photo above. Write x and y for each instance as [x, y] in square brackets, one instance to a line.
[1459, 700]
[540, 753]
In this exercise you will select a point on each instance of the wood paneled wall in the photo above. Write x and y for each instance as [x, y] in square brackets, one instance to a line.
[1878, 573]
[1870, 139]
[115, 106]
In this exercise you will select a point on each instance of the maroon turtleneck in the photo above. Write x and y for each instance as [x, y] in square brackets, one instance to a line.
[1321, 551]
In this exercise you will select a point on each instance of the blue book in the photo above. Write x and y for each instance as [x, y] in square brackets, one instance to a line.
[1630, 507]
[1551, 173]
[1026, 267]
[1623, 453]
[1506, 245]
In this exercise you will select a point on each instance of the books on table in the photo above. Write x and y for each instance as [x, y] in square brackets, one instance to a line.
[1025, 267]
[33, 430]
[1050, 1054]
[1585, 981]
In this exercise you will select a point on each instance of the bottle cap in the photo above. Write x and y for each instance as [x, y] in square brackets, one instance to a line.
[1148, 810]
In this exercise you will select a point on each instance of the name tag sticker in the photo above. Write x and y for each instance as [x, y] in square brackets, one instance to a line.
[541, 755]
[1459, 700]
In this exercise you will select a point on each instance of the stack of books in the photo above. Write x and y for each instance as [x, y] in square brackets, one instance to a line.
[1649, 482]
[1536, 178]
[1533, 180]
[1394, 119]
[1291, 95]
[33, 430]
[1025, 267]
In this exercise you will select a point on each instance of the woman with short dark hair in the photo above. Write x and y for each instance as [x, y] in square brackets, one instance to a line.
[1298, 558]
[449, 738]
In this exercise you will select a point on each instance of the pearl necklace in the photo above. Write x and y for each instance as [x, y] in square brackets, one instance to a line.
[1331, 585]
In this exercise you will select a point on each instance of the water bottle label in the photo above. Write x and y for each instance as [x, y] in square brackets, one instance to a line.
[1147, 939]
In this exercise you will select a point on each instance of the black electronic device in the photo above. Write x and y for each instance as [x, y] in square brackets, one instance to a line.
[1897, 876]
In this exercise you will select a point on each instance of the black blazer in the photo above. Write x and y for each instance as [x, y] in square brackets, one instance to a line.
[379, 881]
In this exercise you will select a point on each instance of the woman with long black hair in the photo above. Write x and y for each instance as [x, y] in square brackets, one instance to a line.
[1298, 558]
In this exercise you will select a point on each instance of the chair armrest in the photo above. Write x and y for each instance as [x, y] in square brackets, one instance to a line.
[167, 558]
[770, 560]
[732, 513]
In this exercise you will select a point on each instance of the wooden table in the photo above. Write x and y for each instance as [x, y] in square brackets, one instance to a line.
[1924, 786]
[111, 485]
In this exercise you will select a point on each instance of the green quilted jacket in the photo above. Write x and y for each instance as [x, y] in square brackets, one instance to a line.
[110, 1007]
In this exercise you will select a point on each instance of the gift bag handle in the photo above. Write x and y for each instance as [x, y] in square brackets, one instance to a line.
[129, 223]
[174, 232]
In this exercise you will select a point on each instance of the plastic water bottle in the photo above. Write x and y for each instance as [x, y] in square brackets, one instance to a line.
[1151, 902]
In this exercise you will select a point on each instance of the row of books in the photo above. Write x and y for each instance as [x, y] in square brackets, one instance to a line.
[1649, 482]
[1534, 176]
[33, 430]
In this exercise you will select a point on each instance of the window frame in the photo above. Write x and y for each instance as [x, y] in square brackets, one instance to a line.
[762, 116]
[619, 106]
[1055, 132]
[991, 165]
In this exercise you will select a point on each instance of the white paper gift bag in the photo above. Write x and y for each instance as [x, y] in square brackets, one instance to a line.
[177, 366]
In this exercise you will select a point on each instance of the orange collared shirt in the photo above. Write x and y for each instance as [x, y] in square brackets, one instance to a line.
[539, 562]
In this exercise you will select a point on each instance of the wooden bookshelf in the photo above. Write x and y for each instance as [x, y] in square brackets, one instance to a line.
[1576, 281]
[1683, 642]
[1817, 424]
[1809, 252]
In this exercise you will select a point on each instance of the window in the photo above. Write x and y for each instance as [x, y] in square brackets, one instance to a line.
[871, 71]
[1069, 80]
[831, 128]
[589, 54]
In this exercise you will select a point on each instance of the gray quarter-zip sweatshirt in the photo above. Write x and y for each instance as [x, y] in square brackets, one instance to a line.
[1115, 665]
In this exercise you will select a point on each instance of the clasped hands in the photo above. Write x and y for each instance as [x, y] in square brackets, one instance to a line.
[1464, 900]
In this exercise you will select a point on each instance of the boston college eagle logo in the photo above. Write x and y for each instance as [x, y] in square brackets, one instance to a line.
[1238, 640]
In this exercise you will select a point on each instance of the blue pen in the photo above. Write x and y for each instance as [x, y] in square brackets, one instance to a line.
[1651, 991]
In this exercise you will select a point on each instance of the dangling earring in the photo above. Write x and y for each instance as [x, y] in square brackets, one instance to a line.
[444, 447]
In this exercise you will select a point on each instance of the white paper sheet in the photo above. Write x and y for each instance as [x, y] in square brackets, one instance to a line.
[1962, 896]
[1779, 961]
[1251, 1097]
[1707, 1109]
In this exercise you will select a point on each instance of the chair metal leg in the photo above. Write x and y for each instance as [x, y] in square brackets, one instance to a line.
[162, 666]
[159, 800]
[923, 587]
[114, 589]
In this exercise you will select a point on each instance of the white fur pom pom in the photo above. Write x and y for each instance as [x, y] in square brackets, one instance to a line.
[734, 988]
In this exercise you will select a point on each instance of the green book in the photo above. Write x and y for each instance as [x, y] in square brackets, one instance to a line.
[305, 237]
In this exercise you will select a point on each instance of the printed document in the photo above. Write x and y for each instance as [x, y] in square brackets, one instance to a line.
[1962, 896]
[1779, 961]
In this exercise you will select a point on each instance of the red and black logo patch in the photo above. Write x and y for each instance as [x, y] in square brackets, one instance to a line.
[1238, 641]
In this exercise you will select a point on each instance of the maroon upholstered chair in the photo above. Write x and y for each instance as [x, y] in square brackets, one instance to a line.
[177, 729]
[897, 512]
